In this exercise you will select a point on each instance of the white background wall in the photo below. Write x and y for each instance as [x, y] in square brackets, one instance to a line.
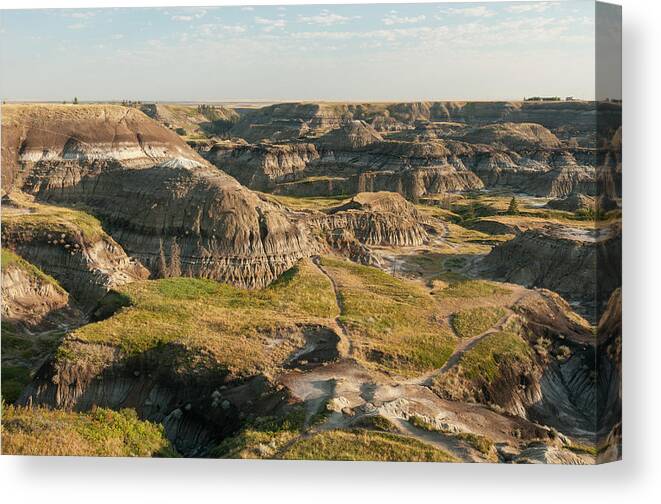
[636, 479]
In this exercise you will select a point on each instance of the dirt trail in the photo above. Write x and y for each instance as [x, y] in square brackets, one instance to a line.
[468, 343]
[346, 381]
[443, 238]
[463, 346]
[437, 440]
[345, 340]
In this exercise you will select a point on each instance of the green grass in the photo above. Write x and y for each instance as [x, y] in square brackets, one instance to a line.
[421, 423]
[22, 354]
[100, 432]
[480, 443]
[308, 203]
[455, 263]
[364, 445]
[240, 330]
[311, 180]
[485, 361]
[10, 258]
[494, 205]
[471, 289]
[467, 241]
[190, 323]
[14, 380]
[12, 342]
[438, 211]
[540, 218]
[376, 422]
[110, 304]
[391, 320]
[584, 448]
[54, 220]
[429, 264]
[474, 321]
[263, 437]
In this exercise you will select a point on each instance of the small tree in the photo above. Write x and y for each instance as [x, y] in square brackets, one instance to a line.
[513, 209]
[75, 100]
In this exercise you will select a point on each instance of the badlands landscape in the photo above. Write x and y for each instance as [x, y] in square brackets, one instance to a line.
[429, 281]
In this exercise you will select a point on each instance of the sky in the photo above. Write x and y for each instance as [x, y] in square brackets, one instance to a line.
[369, 52]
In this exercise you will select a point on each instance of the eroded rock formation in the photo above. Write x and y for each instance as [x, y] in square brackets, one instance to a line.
[309, 149]
[154, 195]
[582, 265]
[30, 298]
[381, 218]
[545, 374]
[573, 203]
[86, 261]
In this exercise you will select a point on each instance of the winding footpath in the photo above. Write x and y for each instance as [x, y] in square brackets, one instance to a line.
[463, 346]
[342, 333]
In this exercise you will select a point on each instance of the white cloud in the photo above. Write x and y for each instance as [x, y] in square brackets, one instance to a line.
[234, 28]
[80, 15]
[471, 36]
[216, 30]
[326, 18]
[393, 19]
[189, 17]
[117, 36]
[270, 24]
[481, 11]
[529, 7]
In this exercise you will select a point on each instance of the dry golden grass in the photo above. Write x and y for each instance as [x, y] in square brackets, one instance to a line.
[37, 217]
[22, 112]
[474, 321]
[392, 322]
[244, 331]
[493, 353]
[364, 445]
[99, 433]
[307, 203]
[537, 220]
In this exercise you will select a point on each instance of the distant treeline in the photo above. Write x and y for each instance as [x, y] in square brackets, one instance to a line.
[131, 103]
[544, 98]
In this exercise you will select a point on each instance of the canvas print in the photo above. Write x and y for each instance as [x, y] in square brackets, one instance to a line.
[342, 232]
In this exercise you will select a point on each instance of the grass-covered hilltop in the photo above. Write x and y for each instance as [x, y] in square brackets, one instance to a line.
[312, 281]
[102, 433]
